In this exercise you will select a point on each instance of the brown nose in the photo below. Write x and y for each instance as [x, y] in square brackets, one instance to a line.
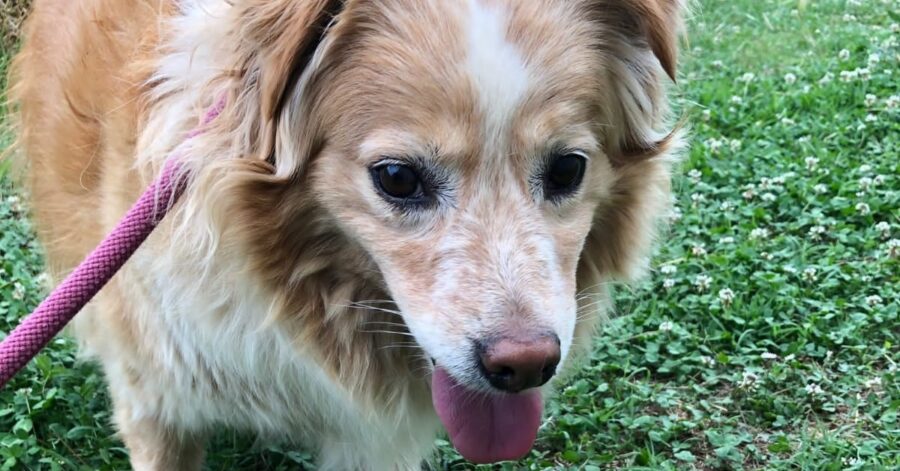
[516, 363]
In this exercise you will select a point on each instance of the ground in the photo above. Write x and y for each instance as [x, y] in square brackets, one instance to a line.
[766, 334]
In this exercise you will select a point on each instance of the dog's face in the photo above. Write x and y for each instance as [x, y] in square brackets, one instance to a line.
[471, 178]
[466, 151]
[491, 158]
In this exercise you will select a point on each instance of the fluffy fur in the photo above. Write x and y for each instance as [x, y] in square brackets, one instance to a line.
[283, 295]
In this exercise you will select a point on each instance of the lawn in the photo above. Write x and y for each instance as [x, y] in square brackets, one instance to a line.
[766, 334]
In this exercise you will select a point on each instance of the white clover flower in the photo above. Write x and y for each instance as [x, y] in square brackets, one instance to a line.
[43, 280]
[874, 59]
[814, 389]
[736, 100]
[852, 461]
[759, 233]
[698, 250]
[768, 356]
[749, 380]
[865, 183]
[675, 215]
[668, 283]
[863, 209]
[878, 180]
[735, 145]
[873, 383]
[849, 18]
[726, 206]
[844, 54]
[892, 102]
[870, 100]
[707, 360]
[768, 197]
[849, 75]
[820, 188]
[748, 194]
[713, 144]
[789, 269]
[18, 291]
[695, 175]
[717, 64]
[14, 203]
[726, 240]
[790, 79]
[697, 198]
[816, 232]
[706, 115]
[811, 163]
[884, 228]
[874, 300]
[767, 256]
[668, 269]
[748, 77]
[864, 74]
[726, 295]
[871, 118]
[666, 326]
[895, 27]
[810, 274]
[702, 282]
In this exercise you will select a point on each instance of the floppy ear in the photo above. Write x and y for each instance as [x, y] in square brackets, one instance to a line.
[659, 22]
[640, 41]
[281, 38]
[639, 47]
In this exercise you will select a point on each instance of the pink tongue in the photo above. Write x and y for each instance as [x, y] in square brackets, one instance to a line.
[486, 428]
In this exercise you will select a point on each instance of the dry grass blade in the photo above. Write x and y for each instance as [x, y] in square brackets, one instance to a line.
[12, 14]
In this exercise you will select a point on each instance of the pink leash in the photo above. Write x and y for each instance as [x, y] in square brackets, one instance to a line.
[36, 330]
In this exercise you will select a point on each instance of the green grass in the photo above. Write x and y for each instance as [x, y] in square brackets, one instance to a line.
[767, 335]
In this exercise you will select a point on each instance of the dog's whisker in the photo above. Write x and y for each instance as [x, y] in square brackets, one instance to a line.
[395, 324]
[390, 332]
[399, 346]
[371, 308]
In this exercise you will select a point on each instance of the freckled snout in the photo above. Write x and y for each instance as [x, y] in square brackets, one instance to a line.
[519, 362]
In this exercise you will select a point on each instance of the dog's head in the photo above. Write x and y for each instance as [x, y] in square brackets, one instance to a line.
[492, 160]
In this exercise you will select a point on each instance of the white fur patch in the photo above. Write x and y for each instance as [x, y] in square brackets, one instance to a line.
[495, 66]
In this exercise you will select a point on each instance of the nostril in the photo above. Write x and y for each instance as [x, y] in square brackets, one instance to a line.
[547, 373]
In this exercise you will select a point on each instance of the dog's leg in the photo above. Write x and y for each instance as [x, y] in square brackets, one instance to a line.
[155, 447]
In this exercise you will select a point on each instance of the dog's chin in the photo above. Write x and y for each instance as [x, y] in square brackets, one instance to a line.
[486, 427]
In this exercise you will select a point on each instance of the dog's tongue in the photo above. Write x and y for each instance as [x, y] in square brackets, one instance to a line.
[486, 428]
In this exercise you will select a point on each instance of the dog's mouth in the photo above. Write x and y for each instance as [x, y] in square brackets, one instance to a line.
[484, 427]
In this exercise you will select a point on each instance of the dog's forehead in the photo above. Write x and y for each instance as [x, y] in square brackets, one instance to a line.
[491, 72]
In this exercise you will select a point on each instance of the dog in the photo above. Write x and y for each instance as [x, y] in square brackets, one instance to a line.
[404, 217]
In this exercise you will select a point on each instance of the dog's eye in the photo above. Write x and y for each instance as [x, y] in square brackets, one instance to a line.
[398, 181]
[564, 175]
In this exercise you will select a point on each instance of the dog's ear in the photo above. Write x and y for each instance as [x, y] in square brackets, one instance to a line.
[659, 22]
[644, 51]
[281, 37]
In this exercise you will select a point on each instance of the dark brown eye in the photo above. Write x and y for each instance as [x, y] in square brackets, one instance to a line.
[564, 175]
[398, 181]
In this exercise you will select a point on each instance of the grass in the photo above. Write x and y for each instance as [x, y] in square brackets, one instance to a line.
[767, 334]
